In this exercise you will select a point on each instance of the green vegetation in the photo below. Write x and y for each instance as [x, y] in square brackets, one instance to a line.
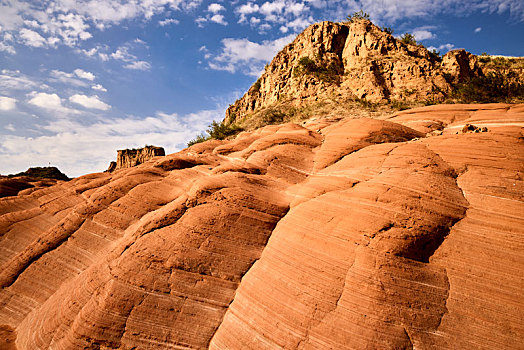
[484, 58]
[273, 116]
[387, 30]
[357, 16]
[493, 87]
[329, 74]
[409, 39]
[490, 62]
[399, 105]
[216, 131]
[257, 85]
[200, 138]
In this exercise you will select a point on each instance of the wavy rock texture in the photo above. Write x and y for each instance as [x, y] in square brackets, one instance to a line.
[334, 234]
[11, 186]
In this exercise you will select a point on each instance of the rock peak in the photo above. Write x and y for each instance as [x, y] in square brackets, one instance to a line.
[357, 60]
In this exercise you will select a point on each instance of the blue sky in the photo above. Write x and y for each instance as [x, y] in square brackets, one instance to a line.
[80, 79]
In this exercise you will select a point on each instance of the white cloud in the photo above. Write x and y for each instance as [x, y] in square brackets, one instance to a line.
[78, 149]
[290, 14]
[66, 78]
[99, 87]
[84, 75]
[10, 127]
[115, 11]
[247, 56]
[392, 11]
[200, 21]
[215, 8]
[122, 54]
[14, 80]
[246, 9]
[138, 65]
[10, 14]
[423, 34]
[7, 48]
[32, 38]
[7, 103]
[91, 102]
[272, 9]
[168, 21]
[220, 19]
[296, 8]
[68, 22]
[215, 17]
[478, 29]
[444, 48]
[299, 24]
[50, 102]
[89, 53]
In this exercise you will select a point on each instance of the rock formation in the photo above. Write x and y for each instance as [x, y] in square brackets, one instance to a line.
[127, 158]
[50, 172]
[338, 233]
[357, 60]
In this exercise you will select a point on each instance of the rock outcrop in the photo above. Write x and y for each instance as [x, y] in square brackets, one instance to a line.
[333, 234]
[127, 158]
[50, 172]
[357, 60]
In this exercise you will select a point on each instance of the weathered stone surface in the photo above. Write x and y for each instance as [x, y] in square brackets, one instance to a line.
[335, 234]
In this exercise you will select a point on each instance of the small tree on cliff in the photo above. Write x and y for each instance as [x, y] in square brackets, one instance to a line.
[357, 16]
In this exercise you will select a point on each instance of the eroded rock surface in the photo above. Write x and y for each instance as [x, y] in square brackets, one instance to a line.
[332, 234]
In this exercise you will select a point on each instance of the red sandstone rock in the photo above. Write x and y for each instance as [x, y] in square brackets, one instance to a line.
[352, 233]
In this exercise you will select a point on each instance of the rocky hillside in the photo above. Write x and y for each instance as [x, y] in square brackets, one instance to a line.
[344, 65]
[339, 233]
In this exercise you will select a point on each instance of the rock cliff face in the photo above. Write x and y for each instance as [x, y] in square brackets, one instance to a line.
[353, 59]
[338, 233]
[128, 158]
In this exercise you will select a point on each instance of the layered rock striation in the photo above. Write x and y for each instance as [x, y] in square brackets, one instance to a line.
[357, 60]
[338, 233]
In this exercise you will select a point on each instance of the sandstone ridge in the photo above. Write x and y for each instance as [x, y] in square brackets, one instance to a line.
[354, 60]
[338, 233]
